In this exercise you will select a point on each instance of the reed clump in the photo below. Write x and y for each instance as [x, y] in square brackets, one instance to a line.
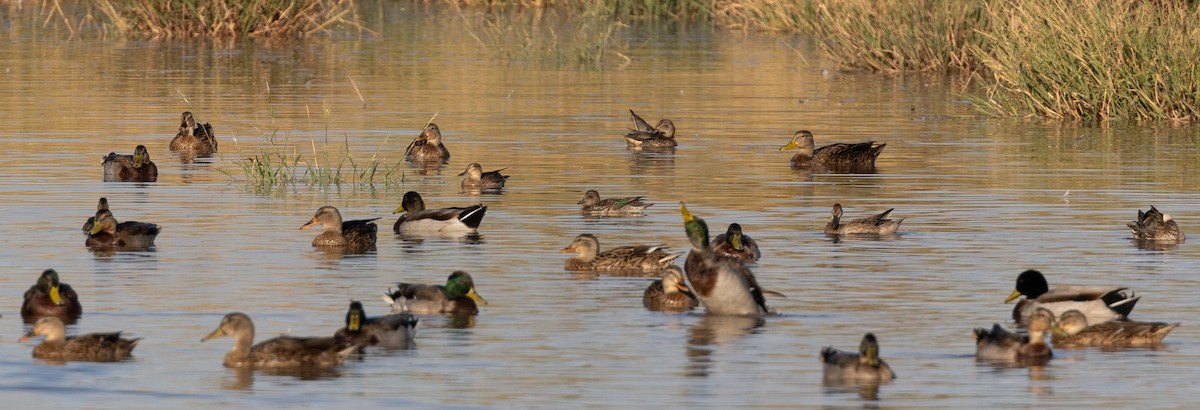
[587, 40]
[227, 18]
[281, 163]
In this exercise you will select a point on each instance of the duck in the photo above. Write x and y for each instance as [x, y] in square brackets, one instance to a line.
[130, 168]
[101, 206]
[1098, 303]
[129, 235]
[282, 351]
[396, 330]
[724, 285]
[417, 220]
[734, 244]
[457, 297]
[427, 146]
[51, 298]
[861, 154]
[477, 179]
[872, 225]
[642, 136]
[356, 234]
[93, 347]
[592, 205]
[1000, 344]
[1113, 333]
[864, 366]
[1156, 226]
[193, 139]
[642, 258]
[669, 294]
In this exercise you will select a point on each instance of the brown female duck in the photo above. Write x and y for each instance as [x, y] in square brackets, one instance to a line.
[195, 140]
[669, 294]
[592, 205]
[734, 244]
[130, 168]
[477, 179]
[457, 297]
[101, 206]
[999, 344]
[1156, 226]
[864, 366]
[871, 225]
[282, 351]
[662, 136]
[860, 155]
[358, 234]
[106, 233]
[394, 330]
[95, 347]
[51, 298]
[642, 258]
[427, 146]
[1113, 333]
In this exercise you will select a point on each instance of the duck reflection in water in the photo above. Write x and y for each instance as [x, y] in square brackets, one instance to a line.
[712, 331]
[243, 377]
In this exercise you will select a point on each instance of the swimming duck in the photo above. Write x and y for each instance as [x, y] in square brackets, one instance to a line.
[447, 221]
[871, 225]
[724, 285]
[642, 258]
[94, 347]
[1156, 226]
[457, 297]
[642, 136]
[862, 154]
[864, 366]
[128, 235]
[734, 244]
[427, 146]
[356, 234]
[1113, 333]
[193, 139]
[1100, 304]
[478, 179]
[101, 206]
[669, 294]
[592, 205]
[282, 351]
[130, 168]
[999, 344]
[50, 298]
[395, 330]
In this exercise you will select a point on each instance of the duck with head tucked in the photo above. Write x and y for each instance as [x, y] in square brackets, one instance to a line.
[417, 220]
[1113, 333]
[661, 136]
[669, 294]
[641, 258]
[427, 147]
[106, 233]
[851, 157]
[279, 352]
[592, 205]
[94, 347]
[1098, 303]
[724, 285]
[457, 297]
[477, 179]
[356, 235]
[878, 224]
[1156, 226]
[394, 330]
[864, 366]
[734, 244]
[130, 168]
[51, 298]
[193, 139]
[101, 206]
[999, 344]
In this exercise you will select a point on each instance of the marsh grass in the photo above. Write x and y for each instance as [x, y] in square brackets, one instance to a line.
[281, 163]
[587, 41]
[227, 18]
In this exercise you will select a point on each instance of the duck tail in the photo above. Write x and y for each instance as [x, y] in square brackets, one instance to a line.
[1119, 302]
[670, 258]
[473, 216]
[827, 354]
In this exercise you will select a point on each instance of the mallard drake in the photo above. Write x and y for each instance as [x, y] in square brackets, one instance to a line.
[193, 139]
[128, 235]
[734, 244]
[999, 344]
[50, 298]
[871, 225]
[724, 285]
[478, 179]
[101, 206]
[642, 136]
[282, 351]
[395, 330]
[93, 347]
[864, 366]
[446, 221]
[427, 146]
[862, 154]
[669, 294]
[1100, 304]
[1113, 333]
[592, 205]
[356, 234]
[642, 258]
[130, 168]
[457, 297]
[1156, 226]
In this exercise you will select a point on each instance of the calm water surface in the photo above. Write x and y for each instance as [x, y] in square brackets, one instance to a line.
[982, 200]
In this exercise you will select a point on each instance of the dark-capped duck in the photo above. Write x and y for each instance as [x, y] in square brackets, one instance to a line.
[641, 258]
[457, 297]
[1000, 344]
[878, 224]
[669, 294]
[50, 298]
[417, 220]
[860, 155]
[734, 244]
[592, 205]
[356, 234]
[864, 366]
[193, 139]
[1113, 333]
[282, 351]
[101, 206]
[130, 168]
[394, 330]
[106, 233]
[724, 285]
[94, 347]
[1156, 226]
[427, 146]
[642, 136]
[1098, 303]
[477, 179]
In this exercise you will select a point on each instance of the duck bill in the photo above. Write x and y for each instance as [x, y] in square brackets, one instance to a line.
[683, 288]
[790, 145]
[687, 216]
[465, 171]
[1014, 295]
[26, 337]
[56, 296]
[471, 294]
[1059, 331]
[310, 223]
[215, 334]
[736, 241]
[568, 249]
[398, 210]
[96, 228]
